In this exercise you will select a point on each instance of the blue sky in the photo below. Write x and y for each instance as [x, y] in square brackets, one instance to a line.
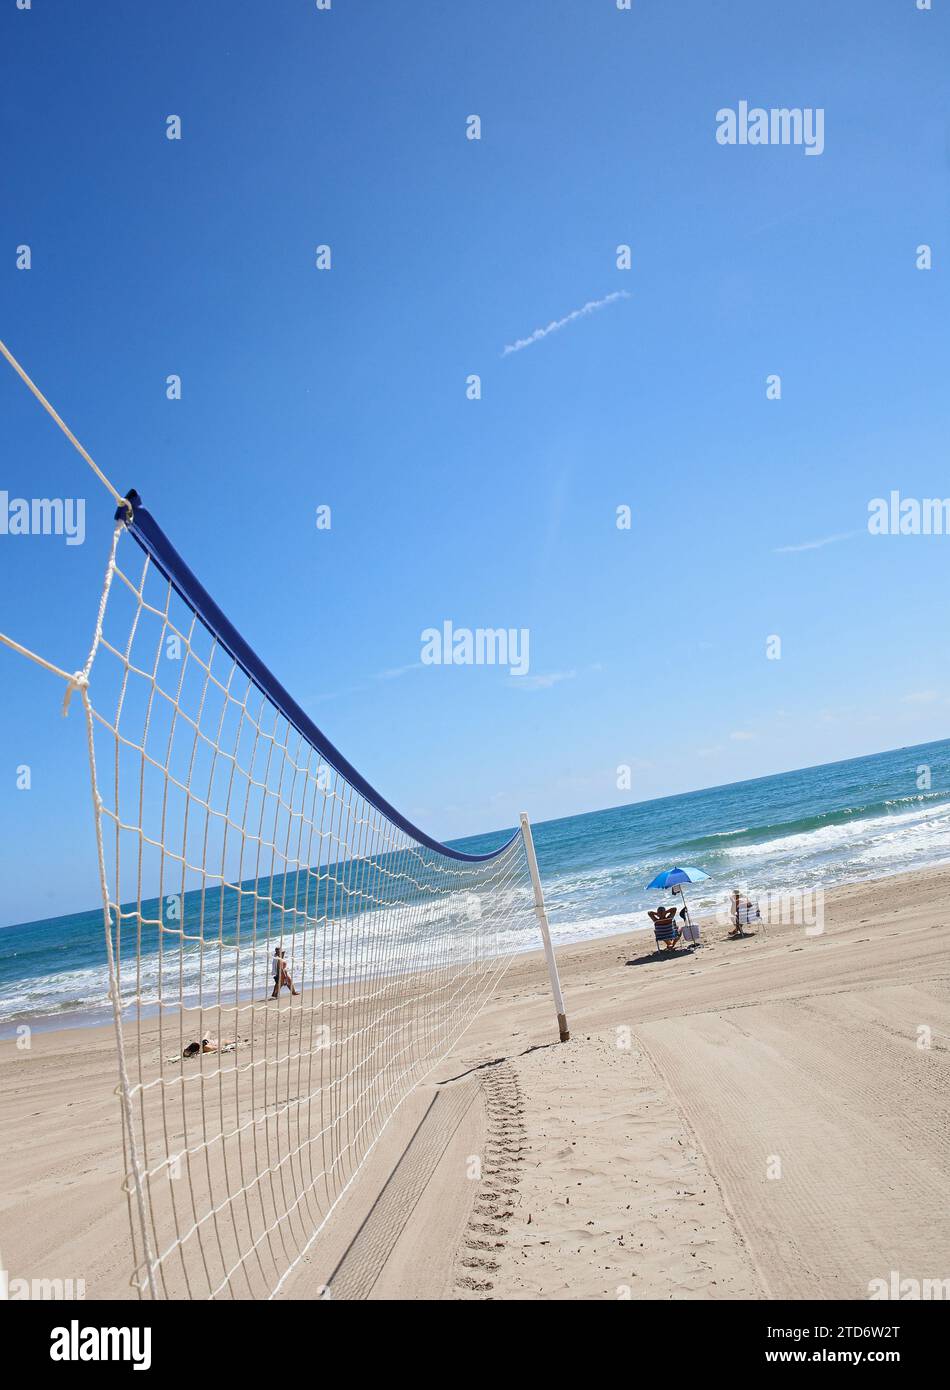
[347, 387]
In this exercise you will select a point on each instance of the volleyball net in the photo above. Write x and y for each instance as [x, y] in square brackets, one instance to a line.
[288, 955]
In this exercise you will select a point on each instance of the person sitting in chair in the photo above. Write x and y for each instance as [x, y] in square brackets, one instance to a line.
[664, 927]
[744, 911]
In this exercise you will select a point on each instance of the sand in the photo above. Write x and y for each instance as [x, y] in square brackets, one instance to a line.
[763, 1118]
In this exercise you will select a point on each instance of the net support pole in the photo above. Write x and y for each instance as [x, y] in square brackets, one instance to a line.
[545, 929]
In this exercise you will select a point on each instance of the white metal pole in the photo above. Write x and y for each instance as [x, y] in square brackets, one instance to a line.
[545, 930]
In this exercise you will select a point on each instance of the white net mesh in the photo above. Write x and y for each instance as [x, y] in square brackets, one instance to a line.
[224, 835]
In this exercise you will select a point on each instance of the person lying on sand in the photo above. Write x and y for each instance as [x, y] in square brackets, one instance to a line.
[206, 1045]
[194, 1049]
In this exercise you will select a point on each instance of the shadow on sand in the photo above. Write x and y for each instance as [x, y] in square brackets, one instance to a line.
[686, 953]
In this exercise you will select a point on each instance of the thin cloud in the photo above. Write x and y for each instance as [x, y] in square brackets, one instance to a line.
[920, 697]
[742, 736]
[813, 545]
[589, 308]
[542, 682]
[322, 698]
[395, 672]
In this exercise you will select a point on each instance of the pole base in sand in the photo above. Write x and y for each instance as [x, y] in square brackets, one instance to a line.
[562, 1025]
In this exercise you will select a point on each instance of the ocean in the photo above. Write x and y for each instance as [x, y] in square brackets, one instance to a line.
[817, 827]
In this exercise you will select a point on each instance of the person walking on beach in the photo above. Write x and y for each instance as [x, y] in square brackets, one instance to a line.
[281, 973]
[285, 975]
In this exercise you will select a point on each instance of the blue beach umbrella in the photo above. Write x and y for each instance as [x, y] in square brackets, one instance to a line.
[670, 876]
[676, 876]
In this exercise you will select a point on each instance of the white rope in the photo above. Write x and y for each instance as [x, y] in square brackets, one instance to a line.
[32, 656]
[121, 501]
[79, 680]
[125, 1085]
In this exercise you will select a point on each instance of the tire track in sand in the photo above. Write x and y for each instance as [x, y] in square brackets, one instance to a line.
[497, 1193]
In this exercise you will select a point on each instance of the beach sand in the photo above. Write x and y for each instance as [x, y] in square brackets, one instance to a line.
[764, 1118]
